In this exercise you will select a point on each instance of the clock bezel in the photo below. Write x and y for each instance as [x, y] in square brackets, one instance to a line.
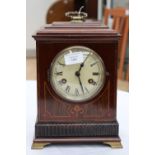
[86, 100]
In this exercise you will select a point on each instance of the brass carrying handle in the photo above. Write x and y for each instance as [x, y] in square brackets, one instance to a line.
[77, 16]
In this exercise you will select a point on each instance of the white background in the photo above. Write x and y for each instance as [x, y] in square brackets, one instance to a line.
[12, 78]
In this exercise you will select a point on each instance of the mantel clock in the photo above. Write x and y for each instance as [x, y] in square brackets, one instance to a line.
[76, 83]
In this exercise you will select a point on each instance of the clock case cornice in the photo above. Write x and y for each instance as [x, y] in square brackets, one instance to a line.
[87, 31]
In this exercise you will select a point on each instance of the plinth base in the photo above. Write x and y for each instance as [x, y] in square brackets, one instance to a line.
[113, 142]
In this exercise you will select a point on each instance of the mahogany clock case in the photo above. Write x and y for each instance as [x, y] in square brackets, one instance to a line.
[60, 118]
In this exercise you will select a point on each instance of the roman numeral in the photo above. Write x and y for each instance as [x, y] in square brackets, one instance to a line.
[67, 89]
[59, 73]
[86, 90]
[96, 73]
[94, 83]
[93, 64]
[61, 63]
[77, 92]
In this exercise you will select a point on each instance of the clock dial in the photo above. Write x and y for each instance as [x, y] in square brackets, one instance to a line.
[77, 73]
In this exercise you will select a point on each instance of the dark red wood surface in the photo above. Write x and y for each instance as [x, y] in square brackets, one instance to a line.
[51, 107]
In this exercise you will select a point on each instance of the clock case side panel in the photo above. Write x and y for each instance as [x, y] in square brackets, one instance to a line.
[39, 101]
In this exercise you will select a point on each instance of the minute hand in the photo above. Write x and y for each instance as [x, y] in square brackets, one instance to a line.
[81, 84]
[82, 64]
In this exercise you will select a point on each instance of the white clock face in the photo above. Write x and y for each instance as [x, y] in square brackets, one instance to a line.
[77, 74]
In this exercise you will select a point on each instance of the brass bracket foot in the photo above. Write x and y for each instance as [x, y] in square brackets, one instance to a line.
[114, 144]
[37, 145]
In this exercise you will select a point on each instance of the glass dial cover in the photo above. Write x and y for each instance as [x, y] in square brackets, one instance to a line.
[77, 74]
